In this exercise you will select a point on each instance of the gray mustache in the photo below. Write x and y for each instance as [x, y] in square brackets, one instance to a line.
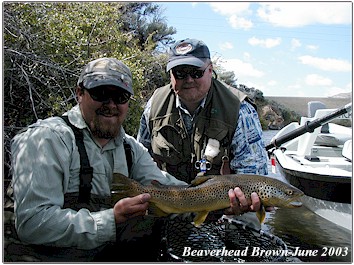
[107, 111]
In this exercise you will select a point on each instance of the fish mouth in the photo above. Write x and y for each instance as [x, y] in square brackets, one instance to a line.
[295, 204]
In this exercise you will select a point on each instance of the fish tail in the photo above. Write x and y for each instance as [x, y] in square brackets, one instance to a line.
[123, 187]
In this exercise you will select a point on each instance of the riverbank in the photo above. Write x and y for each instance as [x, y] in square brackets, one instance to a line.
[299, 104]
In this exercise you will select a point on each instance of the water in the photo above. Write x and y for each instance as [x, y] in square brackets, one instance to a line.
[302, 229]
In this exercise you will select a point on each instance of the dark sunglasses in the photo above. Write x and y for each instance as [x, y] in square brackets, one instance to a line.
[182, 73]
[104, 95]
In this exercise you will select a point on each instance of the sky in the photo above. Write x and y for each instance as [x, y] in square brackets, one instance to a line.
[290, 49]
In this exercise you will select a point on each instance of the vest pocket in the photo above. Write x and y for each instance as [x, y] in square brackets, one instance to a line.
[165, 149]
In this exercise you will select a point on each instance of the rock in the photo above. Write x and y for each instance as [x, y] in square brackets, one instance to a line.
[275, 120]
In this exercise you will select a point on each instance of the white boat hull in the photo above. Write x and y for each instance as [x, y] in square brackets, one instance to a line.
[320, 180]
[320, 164]
[337, 213]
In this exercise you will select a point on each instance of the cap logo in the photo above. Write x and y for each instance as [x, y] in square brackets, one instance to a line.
[184, 48]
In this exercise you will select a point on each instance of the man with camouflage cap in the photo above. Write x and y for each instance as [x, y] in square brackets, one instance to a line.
[47, 182]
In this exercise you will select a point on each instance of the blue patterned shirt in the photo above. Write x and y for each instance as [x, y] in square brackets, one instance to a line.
[247, 147]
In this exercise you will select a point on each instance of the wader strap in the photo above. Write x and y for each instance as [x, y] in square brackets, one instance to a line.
[128, 155]
[86, 171]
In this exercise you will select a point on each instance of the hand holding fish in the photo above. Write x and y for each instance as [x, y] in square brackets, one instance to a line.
[131, 207]
[210, 193]
[240, 204]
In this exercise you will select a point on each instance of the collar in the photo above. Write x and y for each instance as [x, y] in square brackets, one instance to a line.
[75, 117]
[181, 106]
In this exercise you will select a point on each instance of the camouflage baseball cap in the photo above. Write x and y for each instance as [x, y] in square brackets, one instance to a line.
[106, 71]
[189, 51]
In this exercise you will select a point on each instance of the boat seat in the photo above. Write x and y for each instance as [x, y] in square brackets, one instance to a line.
[331, 139]
[312, 107]
[347, 151]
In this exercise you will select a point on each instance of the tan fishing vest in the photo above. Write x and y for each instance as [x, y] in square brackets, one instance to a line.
[176, 152]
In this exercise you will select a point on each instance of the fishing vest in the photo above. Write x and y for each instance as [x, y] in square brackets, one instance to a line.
[173, 149]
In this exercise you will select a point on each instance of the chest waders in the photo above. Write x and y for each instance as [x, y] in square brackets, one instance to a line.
[127, 236]
[84, 198]
[136, 233]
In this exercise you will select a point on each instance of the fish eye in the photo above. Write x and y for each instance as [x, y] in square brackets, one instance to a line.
[290, 192]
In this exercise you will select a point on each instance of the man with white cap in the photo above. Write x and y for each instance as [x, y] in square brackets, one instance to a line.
[196, 116]
[199, 125]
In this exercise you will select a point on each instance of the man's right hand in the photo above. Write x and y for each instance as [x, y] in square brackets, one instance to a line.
[127, 208]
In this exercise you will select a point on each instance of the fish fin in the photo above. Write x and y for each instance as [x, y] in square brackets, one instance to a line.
[200, 218]
[261, 214]
[118, 177]
[156, 183]
[121, 184]
[123, 187]
[155, 210]
[199, 180]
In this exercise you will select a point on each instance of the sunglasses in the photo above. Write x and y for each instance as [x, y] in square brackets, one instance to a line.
[182, 73]
[101, 94]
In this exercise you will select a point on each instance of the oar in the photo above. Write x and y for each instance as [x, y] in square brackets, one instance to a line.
[310, 126]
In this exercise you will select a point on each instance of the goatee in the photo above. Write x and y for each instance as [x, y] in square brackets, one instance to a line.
[105, 130]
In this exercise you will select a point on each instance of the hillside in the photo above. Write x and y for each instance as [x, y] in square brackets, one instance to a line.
[299, 104]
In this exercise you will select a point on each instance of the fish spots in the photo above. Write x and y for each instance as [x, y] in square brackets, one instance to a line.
[212, 193]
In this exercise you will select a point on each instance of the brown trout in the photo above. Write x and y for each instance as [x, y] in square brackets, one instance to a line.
[208, 193]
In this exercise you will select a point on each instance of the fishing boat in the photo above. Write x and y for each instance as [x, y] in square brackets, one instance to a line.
[315, 156]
